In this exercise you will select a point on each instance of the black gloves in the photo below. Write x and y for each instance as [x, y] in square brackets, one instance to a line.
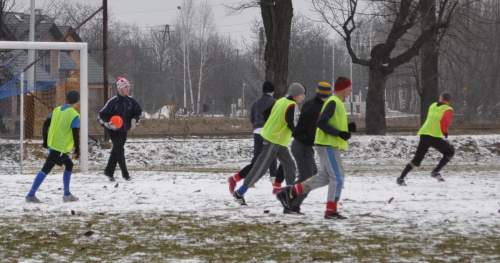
[446, 135]
[345, 135]
[44, 144]
[351, 127]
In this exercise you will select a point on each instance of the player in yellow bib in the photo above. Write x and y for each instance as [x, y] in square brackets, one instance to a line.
[276, 132]
[431, 134]
[60, 134]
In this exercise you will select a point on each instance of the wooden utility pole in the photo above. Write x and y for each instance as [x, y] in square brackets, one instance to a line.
[105, 61]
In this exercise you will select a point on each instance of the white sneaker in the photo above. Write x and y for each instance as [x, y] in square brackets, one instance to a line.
[70, 198]
[32, 199]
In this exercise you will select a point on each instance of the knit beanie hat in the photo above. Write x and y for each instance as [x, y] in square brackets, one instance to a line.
[72, 97]
[296, 89]
[267, 87]
[324, 90]
[342, 83]
[122, 82]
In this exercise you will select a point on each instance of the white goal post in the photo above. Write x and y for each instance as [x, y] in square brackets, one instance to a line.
[83, 50]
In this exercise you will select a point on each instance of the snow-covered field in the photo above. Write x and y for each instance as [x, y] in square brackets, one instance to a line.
[176, 181]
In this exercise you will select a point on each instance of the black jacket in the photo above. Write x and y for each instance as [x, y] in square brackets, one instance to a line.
[257, 116]
[126, 107]
[306, 126]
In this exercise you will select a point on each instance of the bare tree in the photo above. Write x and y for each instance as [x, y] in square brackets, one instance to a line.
[5, 7]
[310, 59]
[277, 19]
[72, 14]
[470, 61]
[402, 16]
[205, 34]
[188, 14]
[429, 53]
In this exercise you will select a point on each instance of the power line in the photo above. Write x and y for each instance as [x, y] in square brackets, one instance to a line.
[153, 10]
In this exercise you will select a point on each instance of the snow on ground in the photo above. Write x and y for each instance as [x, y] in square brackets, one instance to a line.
[189, 176]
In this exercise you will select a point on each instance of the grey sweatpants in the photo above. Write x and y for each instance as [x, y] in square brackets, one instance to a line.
[331, 173]
[270, 151]
[306, 165]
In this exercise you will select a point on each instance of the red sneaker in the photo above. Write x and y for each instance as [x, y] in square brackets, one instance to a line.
[276, 190]
[232, 184]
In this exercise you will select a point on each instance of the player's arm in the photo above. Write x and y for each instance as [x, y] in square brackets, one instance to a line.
[446, 121]
[251, 116]
[75, 128]
[45, 130]
[137, 112]
[325, 116]
[290, 116]
[267, 112]
[106, 112]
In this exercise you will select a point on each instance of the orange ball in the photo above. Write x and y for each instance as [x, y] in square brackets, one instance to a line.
[117, 121]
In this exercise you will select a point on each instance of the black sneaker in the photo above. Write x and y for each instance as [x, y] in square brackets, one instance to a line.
[289, 195]
[239, 198]
[401, 181]
[128, 178]
[438, 176]
[110, 177]
[281, 196]
[334, 215]
[295, 210]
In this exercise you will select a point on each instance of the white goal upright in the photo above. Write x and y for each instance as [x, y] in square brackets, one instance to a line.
[53, 70]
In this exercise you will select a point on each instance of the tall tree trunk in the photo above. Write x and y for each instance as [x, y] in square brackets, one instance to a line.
[200, 79]
[429, 61]
[190, 81]
[375, 104]
[277, 18]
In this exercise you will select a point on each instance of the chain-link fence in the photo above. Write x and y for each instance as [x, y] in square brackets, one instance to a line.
[34, 82]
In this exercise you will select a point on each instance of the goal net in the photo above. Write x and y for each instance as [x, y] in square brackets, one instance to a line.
[34, 79]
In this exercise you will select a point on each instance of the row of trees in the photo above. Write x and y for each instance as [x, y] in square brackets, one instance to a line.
[409, 49]
[426, 46]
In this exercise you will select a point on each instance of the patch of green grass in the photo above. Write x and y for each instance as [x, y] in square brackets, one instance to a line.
[172, 236]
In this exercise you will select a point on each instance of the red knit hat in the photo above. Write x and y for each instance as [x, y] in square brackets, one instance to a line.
[343, 84]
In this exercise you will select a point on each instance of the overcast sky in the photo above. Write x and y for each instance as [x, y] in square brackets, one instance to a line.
[160, 12]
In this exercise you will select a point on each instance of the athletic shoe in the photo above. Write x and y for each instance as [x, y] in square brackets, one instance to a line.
[128, 178]
[276, 190]
[401, 181]
[334, 215]
[438, 176]
[70, 198]
[239, 198]
[294, 210]
[232, 184]
[282, 198]
[290, 195]
[111, 178]
[32, 199]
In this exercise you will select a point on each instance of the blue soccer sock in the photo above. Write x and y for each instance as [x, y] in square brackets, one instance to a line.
[66, 179]
[38, 181]
[242, 190]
